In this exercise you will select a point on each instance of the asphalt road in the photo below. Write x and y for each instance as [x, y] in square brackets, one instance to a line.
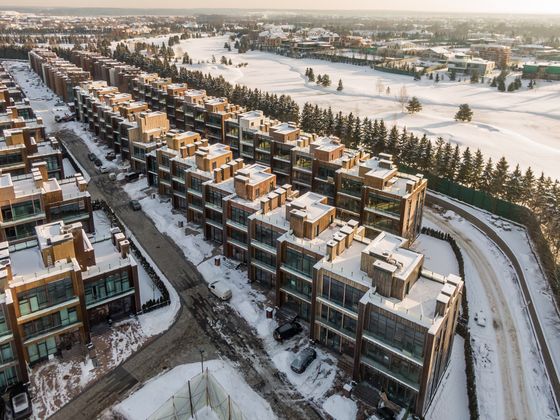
[202, 323]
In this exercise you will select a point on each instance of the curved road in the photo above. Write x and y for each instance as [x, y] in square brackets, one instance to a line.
[512, 374]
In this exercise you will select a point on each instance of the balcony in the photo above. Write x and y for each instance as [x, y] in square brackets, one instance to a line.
[108, 297]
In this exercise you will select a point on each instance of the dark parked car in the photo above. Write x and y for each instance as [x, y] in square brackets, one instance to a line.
[287, 330]
[97, 162]
[110, 156]
[135, 205]
[386, 413]
[131, 176]
[303, 360]
[91, 156]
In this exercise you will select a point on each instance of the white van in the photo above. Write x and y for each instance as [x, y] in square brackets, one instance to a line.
[220, 290]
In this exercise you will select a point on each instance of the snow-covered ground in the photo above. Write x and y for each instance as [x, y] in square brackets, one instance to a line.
[158, 390]
[340, 408]
[319, 377]
[508, 366]
[523, 125]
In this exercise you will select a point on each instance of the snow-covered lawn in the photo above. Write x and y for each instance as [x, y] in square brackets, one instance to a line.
[524, 125]
[56, 382]
[158, 390]
[340, 408]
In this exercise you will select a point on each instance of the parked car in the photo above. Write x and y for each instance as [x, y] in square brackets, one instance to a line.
[20, 402]
[97, 162]
[131, 176]
[386, 413]
[219, 289]
[110, 156]
[287, 330]
[135, 205]
[303, 360]
[91, 156]
[103, 169]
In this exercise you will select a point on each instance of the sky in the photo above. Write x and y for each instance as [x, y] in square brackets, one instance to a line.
[474, 6]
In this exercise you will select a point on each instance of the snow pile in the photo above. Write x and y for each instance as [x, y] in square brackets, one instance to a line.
[340, 408]
[158, 390]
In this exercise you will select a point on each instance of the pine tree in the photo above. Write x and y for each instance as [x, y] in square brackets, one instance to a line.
[393, 140]
[478, 168]
[311, 75]
[339, 87]
[426, 160]
[414, 105]
[512, 192]
[501, 86]
[527, 186]
[381, 140]
[487, 175]
[511, 87]
[437, 78]
[464, 114]
[319, 79]
[500, 177]
[454, 164]
[475, 78]
[329, 122]
[307, 117]
[326, 82]
[465, 173]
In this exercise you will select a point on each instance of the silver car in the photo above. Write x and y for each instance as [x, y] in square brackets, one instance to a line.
[303, 360]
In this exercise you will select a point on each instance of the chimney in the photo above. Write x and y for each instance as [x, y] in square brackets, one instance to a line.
[331, 250]
[124, 247]
[183, 152]
[42, 167]
[349, 235]
[410, 186]
[265, 205]
[113, 231]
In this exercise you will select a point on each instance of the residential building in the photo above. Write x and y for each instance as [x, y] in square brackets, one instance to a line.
[55, 291]
[467, 64]
[380, 197]
[27, 201]
[499, 54]
[378, 306]
[542, 71]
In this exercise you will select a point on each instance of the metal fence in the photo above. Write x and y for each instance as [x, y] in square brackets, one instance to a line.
[199, 392]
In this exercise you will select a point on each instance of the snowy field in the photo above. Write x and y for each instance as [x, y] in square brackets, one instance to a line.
[158, 390]
[508, 366]
[523, 125]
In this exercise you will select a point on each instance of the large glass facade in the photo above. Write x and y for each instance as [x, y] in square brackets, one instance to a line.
[300, 262]
[42, 297]
[4, 327]
[297, 286]
[41, 350]
[340, 293]
[239, 216]
[113, 285]
[22, 210]
[265, 258]
[384, 204]
[395, 333]
[266, 235]
[392, 364]
[49, 323]
[8, 376]
[381, 222]
[303, 162]
[214, 197]
[10, 159]
[351, 187]
[349, 203]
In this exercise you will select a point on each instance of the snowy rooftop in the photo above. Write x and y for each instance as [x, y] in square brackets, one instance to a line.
[418, 306]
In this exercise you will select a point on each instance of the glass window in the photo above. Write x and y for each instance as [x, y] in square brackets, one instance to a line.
[266, 235]
[107, 287]
[383, 203]
[45, 296]
[239, 216]
[300, 262]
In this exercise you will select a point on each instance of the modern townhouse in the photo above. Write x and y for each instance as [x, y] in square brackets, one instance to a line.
[381, 198]
[55, 291]
[167, 165]
[391, 319]
[27, 201]
[59, 75]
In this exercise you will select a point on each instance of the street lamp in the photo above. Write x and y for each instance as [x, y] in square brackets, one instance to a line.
[201, 359]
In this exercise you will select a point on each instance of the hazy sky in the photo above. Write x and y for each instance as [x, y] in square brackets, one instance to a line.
[474, 6]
